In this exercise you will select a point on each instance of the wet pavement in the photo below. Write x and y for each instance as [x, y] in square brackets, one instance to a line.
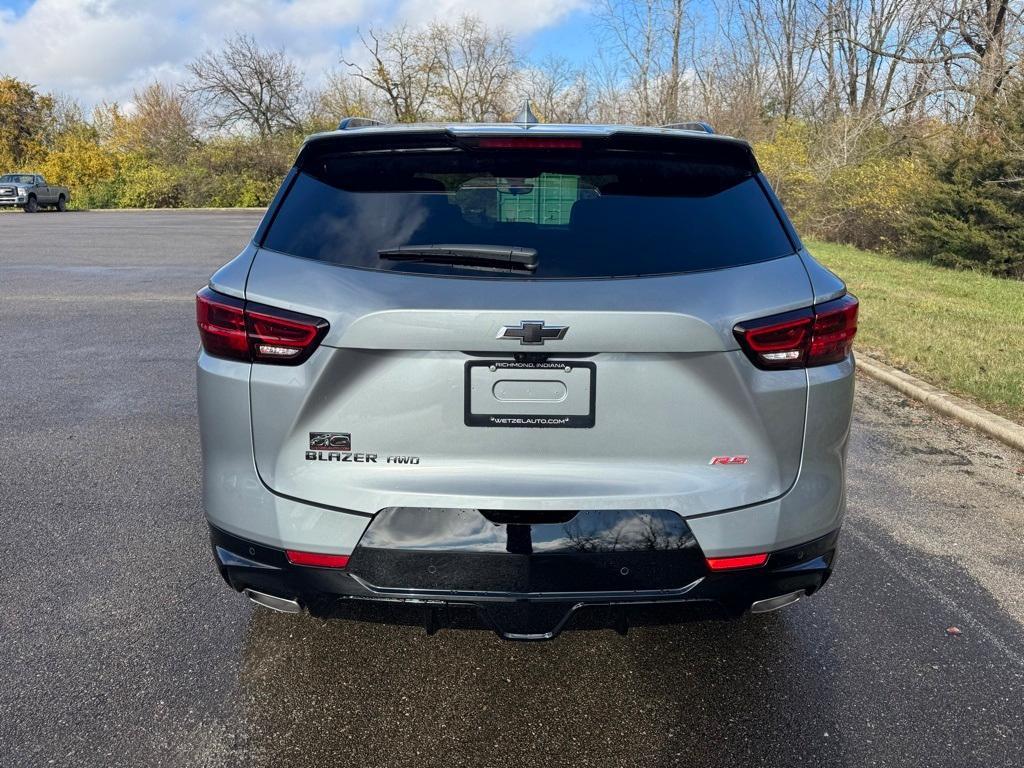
[120, 645]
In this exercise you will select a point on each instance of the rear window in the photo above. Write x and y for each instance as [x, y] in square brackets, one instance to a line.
[584, 213]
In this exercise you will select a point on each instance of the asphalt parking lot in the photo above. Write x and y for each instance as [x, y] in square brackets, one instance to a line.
[120, 645]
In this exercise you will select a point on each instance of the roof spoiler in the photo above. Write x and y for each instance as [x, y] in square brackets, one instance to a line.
[694, 125]
[684, 140]
[357, 122]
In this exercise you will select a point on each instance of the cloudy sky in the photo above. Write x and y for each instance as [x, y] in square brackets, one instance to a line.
[103, 49]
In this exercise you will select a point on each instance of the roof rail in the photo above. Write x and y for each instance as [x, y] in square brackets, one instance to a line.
[357, 122]
[694, 125]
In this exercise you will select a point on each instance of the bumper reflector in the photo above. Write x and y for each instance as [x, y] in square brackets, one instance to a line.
[733, 563]
[316, 559]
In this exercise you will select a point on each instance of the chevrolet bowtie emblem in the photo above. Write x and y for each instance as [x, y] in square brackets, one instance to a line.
[533, 332]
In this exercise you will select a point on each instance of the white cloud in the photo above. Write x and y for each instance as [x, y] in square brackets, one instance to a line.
[82, 43]
[287, 21]
[104, 49]
[516, 16]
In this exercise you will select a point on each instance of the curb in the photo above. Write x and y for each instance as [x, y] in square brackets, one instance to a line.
[972, 415]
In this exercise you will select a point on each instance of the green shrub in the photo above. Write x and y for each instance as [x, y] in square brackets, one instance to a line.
[237, 172]
[973, 215]
[862, 196]
[144, 184]
[101, 194]
[257, 192]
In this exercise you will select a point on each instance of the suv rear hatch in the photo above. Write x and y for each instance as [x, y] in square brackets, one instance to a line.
[527, 323]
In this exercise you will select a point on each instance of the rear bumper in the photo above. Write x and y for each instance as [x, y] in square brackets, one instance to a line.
[525, 590]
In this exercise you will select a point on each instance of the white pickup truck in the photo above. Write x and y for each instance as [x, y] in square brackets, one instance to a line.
[30, 192]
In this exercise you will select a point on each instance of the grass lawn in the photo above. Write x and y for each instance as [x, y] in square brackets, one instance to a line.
[960, 331]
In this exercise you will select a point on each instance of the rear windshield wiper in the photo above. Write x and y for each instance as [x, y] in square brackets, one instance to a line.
[487, 257]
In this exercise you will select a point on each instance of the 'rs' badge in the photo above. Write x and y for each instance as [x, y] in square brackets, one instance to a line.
[728, 460]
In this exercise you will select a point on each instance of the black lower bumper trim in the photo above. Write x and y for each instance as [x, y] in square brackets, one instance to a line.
[470, 551]
[507, 591]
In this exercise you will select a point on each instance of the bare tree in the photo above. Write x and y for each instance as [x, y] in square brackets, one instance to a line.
[247, 87]
[787, 34]
[648, 36]
[731, 74]
[164, 123]
[67, 113]
[558, 91]
[403, 67]
[344, 96]
[476, 66]
[976, 43]
[989, 33]
[611, 97]
[673, 92]
[858, 79]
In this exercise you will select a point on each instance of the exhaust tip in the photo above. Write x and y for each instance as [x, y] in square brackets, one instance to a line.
[273, 602]
[775, 603]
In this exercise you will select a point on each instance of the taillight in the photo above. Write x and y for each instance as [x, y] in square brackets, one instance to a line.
[835, 325]
[255, 333]
[278, 336]
[737, 562]
[316, 559]
[817, 335]
[221, 321]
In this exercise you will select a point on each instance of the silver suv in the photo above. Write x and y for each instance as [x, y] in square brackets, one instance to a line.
[529, 376]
